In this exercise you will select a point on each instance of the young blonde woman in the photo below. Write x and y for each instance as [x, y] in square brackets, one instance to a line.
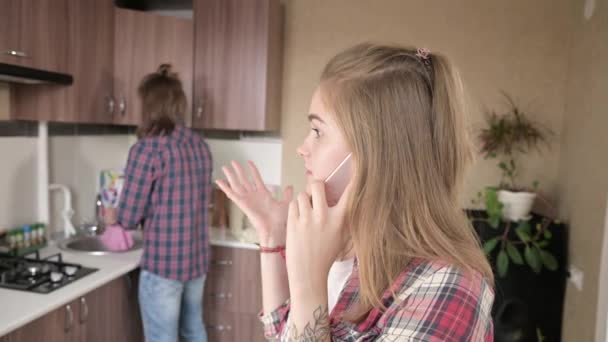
[419, 273]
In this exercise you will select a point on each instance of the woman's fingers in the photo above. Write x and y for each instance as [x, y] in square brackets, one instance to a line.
[293, 214]
[225, 188]
[304, 206]
[241, 176]
[235, 185]
[287, 194]
[343, 201]
[257, 178]
[319, 201]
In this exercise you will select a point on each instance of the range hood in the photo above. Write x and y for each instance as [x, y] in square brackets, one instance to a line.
[21, 74]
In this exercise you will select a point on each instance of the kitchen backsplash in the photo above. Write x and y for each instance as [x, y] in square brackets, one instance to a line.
[77, 160]
[74, 161]
[264, 152]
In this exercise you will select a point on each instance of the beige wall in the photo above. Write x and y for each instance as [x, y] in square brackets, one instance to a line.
[583, 168]
[515, 46]
[74, 161]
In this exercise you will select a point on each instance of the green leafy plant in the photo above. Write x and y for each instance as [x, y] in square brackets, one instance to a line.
[529, 246]
[539, 335]
[507, 136]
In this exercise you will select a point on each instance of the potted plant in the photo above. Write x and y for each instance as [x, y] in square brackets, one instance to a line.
[518, 241]
[507, 137]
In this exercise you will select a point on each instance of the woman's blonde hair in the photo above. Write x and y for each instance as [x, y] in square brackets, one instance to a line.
[401, 112]
[163, 102]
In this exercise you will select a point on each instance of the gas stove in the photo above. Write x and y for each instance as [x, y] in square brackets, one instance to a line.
[39, 275]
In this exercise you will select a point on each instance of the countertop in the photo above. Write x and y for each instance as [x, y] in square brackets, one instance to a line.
[18, 308]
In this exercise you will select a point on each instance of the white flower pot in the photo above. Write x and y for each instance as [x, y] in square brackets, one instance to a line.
[516, 205]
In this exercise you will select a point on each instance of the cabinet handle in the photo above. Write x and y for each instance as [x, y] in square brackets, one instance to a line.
[84, 308]
[221, 263]
[16, 53]
[122, 106]
[199, 109]
[221, 295]
[219, 327]
[111, 105]
[129, 282]
[69, 321]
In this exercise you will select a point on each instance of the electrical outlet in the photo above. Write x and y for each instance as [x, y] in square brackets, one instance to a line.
[576, 277]
[589, 9]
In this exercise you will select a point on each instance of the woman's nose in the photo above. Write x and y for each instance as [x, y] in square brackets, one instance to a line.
[302, 152]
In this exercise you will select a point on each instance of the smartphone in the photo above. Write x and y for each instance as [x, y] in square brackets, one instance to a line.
[336, 182]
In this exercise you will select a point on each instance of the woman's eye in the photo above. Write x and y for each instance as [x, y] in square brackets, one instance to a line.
[317, 132]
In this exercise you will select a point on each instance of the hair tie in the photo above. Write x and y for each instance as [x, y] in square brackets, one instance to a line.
[164, 69]
[423, 53]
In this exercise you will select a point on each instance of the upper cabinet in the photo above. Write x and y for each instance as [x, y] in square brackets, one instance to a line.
[228, 57]
[34, 33]
[91, 56]
[237, 64]
[143, 41]
[89, 46]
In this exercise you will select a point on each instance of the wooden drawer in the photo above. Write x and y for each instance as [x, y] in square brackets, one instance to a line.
[231, 327]
[234, 282]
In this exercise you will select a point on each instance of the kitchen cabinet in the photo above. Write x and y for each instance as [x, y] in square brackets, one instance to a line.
[143, 41]
[58, 325]
[113, 312]
[90, 98]
[233, 295]
[33, 33]
[108, 313]
[110, 51]
[90, 61]
[237, 64]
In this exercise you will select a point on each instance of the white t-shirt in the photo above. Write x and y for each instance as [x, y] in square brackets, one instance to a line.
[338, 275]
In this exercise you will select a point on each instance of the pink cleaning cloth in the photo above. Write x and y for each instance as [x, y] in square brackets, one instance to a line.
[116, 238]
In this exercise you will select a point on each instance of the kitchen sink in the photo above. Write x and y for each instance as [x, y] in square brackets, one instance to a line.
[93, 244]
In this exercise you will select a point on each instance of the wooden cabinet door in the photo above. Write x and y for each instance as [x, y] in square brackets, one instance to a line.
[143, 41]
[91, 53]
[233, 296]
[108, 313]
[91, 60]
[233, 282]
[224, 326]
[237, 64]
[128, 320]
[42, 34]
[34, 33]
[9, 32]
[59, 325]
[112, 313]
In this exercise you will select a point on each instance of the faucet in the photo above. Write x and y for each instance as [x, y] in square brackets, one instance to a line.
[68, 212]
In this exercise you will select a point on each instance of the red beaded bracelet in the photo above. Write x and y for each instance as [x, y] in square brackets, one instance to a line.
[277, 249]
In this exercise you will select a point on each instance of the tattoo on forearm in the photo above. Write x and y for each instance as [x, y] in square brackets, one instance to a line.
[319, 331]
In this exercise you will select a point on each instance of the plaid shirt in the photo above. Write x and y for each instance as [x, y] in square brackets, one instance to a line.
[435, 302]
[168, 187]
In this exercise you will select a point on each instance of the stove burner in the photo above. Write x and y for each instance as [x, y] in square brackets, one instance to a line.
[37, 274]
[56, 277]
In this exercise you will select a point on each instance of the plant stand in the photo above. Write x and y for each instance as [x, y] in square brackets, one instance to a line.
[525, 300]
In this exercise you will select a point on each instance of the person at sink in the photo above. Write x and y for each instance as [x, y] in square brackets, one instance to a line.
[167, 187]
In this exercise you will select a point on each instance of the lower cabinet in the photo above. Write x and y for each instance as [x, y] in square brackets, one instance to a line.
[56, 326]
[108, 313]
[113, 312]
[231, 303]
[233, 295]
